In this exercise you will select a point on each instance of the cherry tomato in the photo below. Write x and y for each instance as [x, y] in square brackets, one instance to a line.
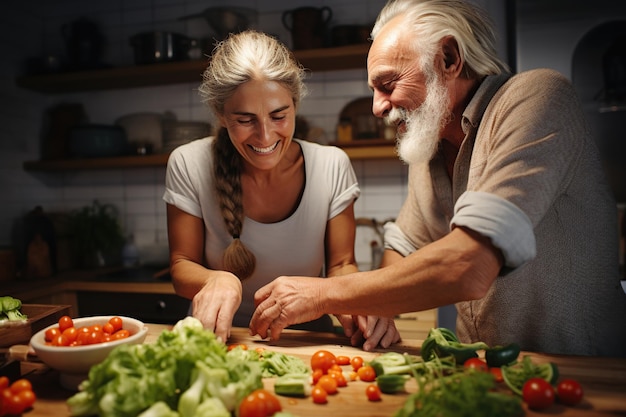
[319, 395]
[71, 334]
[372, 392]
[476, 364]
[343, 360]
[4, 382]
[339, 377]
[569, 392]
[356, 362]
[328, 383]
[117, 323]
[497, 374]
[317, 374]
[323, 359]
[120, 334]
[21, 384]
[60, 340]
[259, 403]
[51, 334]
[538, 393]
[65, 322]
[366, 373]
[27, 399]
[11, 403]
[234, 345]
[108, 328]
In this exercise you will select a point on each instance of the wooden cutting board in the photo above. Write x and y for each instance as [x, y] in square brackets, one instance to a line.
[39, 316]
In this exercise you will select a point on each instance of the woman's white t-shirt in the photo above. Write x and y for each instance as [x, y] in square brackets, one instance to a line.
[294, 246]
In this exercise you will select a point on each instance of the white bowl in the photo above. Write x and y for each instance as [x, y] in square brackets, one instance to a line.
[79, 359]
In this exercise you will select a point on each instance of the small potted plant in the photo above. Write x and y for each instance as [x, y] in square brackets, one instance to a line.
[96, 235]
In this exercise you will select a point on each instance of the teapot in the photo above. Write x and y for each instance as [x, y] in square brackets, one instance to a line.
[308, 26]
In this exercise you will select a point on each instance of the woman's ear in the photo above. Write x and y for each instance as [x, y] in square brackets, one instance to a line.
[452, 61]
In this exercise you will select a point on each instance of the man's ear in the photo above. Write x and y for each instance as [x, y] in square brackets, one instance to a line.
[452, 61]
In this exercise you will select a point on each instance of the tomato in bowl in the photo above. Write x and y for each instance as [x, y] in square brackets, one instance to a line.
[79, 359]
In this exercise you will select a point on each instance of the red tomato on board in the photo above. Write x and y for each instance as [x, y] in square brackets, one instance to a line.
[569, 392]
[538, 394]
[259, 403]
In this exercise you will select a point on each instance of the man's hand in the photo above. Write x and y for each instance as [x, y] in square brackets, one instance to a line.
[283, 302]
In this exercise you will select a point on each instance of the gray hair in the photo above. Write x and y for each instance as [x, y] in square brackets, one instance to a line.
[242, 57]
[250, 55]
[432, 20]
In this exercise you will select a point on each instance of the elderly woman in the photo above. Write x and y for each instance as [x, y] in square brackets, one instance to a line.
[254, 203]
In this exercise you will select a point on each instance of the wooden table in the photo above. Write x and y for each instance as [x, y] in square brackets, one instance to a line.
[603, 379]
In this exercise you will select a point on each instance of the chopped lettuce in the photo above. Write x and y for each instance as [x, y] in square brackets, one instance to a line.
[182, 370]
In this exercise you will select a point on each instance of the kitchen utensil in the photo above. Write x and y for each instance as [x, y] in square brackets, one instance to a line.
[226, 20]
[95, 140]
[176, 133]
[159, 46]
[308, 26]
[359, 114]
[350, 34]
[84, 42]
[143, 130]
[39, 317]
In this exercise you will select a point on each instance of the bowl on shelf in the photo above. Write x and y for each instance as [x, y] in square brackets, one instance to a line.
[74, 362]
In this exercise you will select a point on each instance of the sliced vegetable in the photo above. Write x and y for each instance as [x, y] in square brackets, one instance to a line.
[502, 355]
[278, 364]
[394, 363]
[516, 375]
[441, 342]
[293, 385]
[392, 384]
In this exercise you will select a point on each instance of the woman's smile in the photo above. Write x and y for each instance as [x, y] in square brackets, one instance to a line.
[267, 150]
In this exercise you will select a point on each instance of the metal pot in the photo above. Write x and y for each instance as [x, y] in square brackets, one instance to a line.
[226, 20]
[158, 46]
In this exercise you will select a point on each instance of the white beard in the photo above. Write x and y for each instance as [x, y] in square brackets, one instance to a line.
[420, 140]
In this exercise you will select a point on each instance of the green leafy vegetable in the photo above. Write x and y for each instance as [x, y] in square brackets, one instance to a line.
[10, 309]
[278, 364]
[182, 369]
[463, 394]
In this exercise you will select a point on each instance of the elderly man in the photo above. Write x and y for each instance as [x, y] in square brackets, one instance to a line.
[508, 214]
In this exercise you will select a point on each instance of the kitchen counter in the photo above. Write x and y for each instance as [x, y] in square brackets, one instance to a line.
[603, 379]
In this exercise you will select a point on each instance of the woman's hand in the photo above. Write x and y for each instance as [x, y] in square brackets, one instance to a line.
[377, 331]
[216, 303]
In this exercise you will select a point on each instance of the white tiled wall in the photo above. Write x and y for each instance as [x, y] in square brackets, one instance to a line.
[137, 192]
[33, 28]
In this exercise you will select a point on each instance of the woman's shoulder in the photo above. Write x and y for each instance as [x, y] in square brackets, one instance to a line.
[320, 151]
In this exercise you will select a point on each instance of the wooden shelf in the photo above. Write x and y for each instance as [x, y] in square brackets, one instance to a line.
[323, 59]
[155, 160]
[357, 152]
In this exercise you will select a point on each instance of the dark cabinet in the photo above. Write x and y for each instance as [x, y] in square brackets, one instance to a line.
[149, 308]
